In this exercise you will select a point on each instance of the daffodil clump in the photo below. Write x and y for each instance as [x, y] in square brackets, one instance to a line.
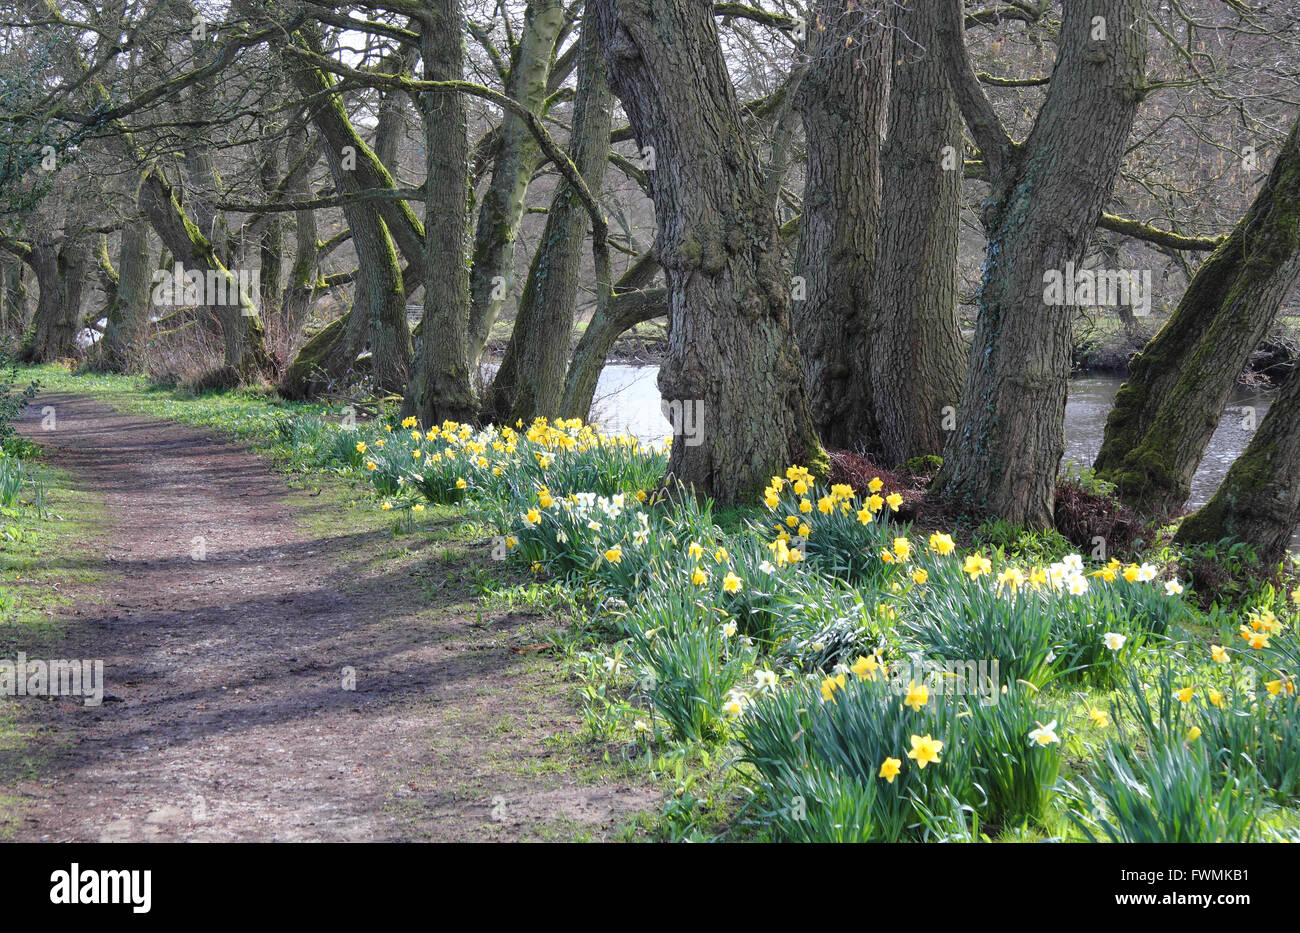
[453, 462]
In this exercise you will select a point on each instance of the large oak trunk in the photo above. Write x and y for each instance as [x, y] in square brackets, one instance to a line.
[731, 354]
[917, 353]
[1047, 194]
[843, 97]
[440, 389]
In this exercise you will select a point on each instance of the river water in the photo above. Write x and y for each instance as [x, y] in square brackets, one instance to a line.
[627, 400]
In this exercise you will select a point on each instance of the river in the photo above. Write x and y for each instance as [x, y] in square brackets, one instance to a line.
[627, 400]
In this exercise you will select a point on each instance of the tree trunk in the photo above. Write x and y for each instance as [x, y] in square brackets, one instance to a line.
[629, 305]
[122, 346]
[492, 271]
[620, 314]
[1046, 196]
[245, 343]
[1167, 411]
[530, 381]
[367, 171]
[732, 360]
[916, 347]
[60, 272]
[378, 317]
[304, 275]
[15, 299]
[1259, 500]
[440, 389]
[843, 97]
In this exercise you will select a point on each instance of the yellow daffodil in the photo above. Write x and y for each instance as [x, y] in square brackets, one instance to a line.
[925, 750]
[890, 769]
[917, 696]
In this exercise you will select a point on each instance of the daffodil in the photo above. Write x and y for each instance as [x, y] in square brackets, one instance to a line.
[917, 695]
[614, 555]
[1216, 698]
[920, 575]
[1173, 588]
[976, 566]
[765, 680]
[942, 544]
[925, 750]
[731, 583]
[1193, 733]
[1219, 653]
[890, 768]
[1099, 718]
[1185, 694]
[1114, 641]
[865, 668]
[1045, 734]
[830, 684]
[894, 500]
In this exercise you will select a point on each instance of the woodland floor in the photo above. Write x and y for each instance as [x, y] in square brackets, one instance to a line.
[225, 716]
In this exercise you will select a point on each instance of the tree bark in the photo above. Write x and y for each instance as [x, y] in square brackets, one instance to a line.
[492, 271]
[122, 346]
[731, 353]
[530, 380]
[1046, 195]
[843, 97]
[241, 327]
[917, 353]
[60, 274]
[1167, 411]
[1259, 500]
[440, 388]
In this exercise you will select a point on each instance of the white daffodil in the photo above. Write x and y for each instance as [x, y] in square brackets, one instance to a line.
[1045, 734]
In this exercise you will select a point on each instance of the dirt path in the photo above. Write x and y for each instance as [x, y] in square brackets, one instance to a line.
[228, 718]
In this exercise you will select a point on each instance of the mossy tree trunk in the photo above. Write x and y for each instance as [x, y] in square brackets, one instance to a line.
[629, 305]
[843, 97]
[122, 346]
[731, 351]
[241, 326]
[1167, 411]
[1259, 500]
[530, 380]
[492, 270]
[917, 353]
[1046, 195]
[439, 389]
